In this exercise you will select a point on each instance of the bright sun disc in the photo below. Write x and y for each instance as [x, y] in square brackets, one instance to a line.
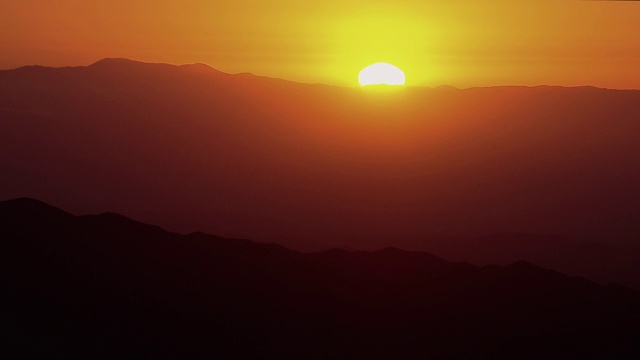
[381, 74]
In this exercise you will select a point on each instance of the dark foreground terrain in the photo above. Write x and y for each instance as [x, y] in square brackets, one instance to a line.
[104, 286]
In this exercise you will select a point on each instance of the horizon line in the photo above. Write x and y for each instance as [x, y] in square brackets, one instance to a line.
[356, 86]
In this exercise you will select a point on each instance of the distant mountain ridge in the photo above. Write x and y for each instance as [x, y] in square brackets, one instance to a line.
[101, 286]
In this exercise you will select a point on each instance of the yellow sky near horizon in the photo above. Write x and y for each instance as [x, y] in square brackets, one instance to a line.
[460, 43]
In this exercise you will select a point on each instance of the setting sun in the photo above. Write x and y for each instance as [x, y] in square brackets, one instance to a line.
[381, 74]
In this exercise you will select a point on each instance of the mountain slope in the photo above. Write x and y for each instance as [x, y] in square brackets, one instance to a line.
[103, 286]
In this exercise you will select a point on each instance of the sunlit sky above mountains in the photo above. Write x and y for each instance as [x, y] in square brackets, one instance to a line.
[461, 43]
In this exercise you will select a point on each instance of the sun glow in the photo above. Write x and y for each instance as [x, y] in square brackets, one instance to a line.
[381, 74]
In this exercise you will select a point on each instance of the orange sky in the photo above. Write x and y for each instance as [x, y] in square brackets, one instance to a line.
[461, 43]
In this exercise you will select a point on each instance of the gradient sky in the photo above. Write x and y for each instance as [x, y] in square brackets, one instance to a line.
[461, 43]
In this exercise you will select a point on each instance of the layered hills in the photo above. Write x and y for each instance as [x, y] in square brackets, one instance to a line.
[105, 286]
[316, 167]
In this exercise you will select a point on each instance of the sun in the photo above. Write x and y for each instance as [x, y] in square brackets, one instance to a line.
[381, 74]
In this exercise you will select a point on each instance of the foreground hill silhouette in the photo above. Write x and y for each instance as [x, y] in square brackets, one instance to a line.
[315, 167]
[104, 286]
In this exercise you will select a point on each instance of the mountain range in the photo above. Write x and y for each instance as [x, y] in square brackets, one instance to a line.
[485, 175]
[315, 166]
[106, 286]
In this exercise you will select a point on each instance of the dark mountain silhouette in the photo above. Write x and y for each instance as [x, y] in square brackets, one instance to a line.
[105, 286]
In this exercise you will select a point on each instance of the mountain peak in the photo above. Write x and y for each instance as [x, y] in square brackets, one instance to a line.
[116, 64]
[24, 200]
[119, 64]
[115, 61]
[20, 208]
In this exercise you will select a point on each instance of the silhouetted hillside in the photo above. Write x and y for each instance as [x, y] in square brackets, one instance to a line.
[103, 286]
